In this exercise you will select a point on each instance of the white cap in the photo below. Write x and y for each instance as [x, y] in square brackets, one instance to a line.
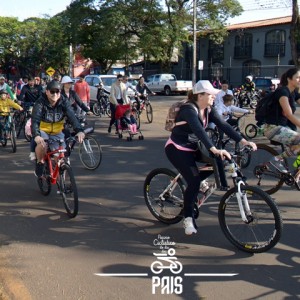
[204, 86]
[66, 79]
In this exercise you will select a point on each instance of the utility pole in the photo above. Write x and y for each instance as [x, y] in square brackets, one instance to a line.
[194, 41]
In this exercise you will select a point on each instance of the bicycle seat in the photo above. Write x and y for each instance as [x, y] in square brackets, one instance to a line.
[276, 143]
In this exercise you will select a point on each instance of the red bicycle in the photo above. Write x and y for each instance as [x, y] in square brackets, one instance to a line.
[58, 171]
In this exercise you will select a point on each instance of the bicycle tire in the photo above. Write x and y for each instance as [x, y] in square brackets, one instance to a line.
[12, 132]
[170, 209]
[251, 131]
[96, 109]
[44, 182]
[263, 229]
[137, 117]
[90, 153]
[149, 112]
[68, 190]
[260, 174]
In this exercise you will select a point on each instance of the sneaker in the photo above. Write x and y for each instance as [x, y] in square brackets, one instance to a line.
[32, 156]
[189, 227]
[39, 169]
[278, 164]
[109, 129]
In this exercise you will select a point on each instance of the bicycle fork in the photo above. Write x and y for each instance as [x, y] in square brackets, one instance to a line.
[243, 204]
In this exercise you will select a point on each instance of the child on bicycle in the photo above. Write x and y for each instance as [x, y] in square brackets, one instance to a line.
[5, 105]
[128, 121]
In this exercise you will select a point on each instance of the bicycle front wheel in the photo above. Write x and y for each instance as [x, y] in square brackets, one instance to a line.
[164, 195]
[96, 109]
[149, 112]
[90, 153]
[260, 173]
[262, 228]
[44, 182]
[251, 131]
[68, 190]
[12, 136]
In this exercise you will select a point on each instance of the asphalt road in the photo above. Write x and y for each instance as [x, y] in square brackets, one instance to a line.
[107, 250]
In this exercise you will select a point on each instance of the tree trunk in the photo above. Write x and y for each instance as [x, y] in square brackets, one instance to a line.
[295, 33]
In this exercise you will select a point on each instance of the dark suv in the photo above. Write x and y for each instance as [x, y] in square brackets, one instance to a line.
[266, 84]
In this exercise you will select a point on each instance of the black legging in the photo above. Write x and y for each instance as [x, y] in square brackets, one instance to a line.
[185, 163]
[113, 112]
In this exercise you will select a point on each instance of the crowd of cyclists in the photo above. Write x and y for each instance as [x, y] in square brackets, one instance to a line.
[56, 100]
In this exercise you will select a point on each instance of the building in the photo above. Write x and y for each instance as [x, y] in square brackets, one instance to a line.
[259, 48]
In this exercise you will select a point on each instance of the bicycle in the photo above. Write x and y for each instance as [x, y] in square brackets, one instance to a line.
[267, 177]
[248, 216]
[102, 107]
[9, 133]
[252, 131]
[57, 170]
[90, 151]
[242, 154]
[145, 104]
[20, 119]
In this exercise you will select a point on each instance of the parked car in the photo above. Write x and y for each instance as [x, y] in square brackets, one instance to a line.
[168, 84]
[266, 84]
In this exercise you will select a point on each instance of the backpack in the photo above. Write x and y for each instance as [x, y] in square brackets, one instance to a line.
[172, 114]
[263, 107]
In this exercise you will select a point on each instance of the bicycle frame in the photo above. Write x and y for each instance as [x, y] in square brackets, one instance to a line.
[48, 159]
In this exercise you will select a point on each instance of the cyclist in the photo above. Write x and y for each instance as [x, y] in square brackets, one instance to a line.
[248, 86]
[72, 96]
[4, 86]
[5, 105]
[182, 146]
[281, 123]
[224, 91]
[30, 92]
[141, 89]
[48, 116]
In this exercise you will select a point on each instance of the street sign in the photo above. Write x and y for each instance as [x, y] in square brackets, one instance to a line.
[200, 65]
[50, 71]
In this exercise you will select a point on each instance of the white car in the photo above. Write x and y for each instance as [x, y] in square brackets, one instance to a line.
[94, 82]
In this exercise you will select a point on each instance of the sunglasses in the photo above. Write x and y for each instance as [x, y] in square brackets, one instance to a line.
[54, 92]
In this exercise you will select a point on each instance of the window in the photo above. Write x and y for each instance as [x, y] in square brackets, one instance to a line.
[243, 46]
[216, 71]
[251, 67]
[215, 51]
[89, 80]
[275, 43]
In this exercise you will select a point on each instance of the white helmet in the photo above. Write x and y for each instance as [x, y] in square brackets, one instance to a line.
[249, 77]
[66, 79]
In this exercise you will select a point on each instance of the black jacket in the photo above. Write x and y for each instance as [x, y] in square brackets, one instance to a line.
[75, 100]
[51, 119]
[187, 135]
[30, 94]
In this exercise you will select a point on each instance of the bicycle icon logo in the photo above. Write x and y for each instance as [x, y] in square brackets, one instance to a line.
[174, 266]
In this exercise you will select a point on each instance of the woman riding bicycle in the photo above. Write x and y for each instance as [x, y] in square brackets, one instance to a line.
[281, 123]
[182, 146]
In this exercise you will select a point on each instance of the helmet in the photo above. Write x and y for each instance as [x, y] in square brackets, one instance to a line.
[249, 77]
[66, 79]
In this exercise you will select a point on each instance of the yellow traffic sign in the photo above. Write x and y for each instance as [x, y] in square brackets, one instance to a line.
[50, 71]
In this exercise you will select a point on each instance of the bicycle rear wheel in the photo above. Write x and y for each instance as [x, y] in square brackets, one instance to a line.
[251, 131]
[260, 173]
[44, 182]
[90, 153]
[149, 113]
[96, 109]
[263, 227]
[68, 190]
[163, 196]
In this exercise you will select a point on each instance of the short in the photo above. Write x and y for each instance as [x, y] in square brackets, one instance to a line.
[53, 139]
[281, 134]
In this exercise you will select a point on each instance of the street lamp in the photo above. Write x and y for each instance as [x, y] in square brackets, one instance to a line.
[194, 41]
